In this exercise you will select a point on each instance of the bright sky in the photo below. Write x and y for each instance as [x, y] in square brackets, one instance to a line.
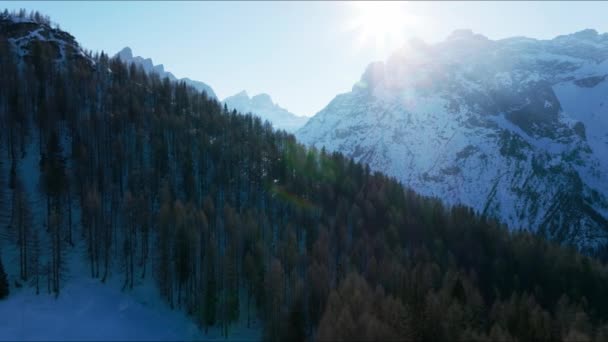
[301, 53]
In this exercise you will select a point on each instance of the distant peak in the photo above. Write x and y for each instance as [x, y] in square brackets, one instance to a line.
[242, 93]
[585, 34]
[241, 96]
[262, 98]
[467, 34]
[170, 75]
[125, 54]
[159, 68]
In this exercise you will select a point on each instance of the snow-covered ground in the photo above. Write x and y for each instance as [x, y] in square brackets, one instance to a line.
[89, 310]
[86, 309]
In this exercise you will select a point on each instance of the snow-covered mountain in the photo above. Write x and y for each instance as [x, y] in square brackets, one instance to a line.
[126, 55]
[263, 106]
[24, 34]
[516, 128]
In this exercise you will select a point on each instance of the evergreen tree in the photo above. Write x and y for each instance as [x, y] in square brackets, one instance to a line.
[324, 247]
[211, 288]
[4, 288]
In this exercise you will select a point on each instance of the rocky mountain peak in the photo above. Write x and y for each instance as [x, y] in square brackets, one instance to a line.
[262, 100]
[515, 128]
[263, 106]
[125, 54]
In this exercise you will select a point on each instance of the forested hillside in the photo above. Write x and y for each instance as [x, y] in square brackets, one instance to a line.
[160, 182]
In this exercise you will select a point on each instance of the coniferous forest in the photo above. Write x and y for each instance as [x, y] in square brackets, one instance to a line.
[161, 182]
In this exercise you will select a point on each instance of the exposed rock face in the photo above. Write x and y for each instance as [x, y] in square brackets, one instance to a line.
[516, 128]
[24, 34]
[126, 55]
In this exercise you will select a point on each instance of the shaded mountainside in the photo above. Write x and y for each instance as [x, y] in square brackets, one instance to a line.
[151, 181]
[515, 128]
[126, 55]
[263, 106]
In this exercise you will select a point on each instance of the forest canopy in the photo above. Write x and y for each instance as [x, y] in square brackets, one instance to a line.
[161, 182]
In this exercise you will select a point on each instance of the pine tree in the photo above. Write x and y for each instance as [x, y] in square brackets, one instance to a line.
[211, 288]
[142, 144]
[4, 289]
[36, 268]
[21, 221]
[274, 314]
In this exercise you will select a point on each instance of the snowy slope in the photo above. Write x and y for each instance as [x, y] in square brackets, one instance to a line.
[86, 309]
[515, 128]
[22, 32]
[90, 310]
[126, 55]
[263, 106]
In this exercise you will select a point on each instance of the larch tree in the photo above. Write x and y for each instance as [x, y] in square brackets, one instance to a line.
[4, 288]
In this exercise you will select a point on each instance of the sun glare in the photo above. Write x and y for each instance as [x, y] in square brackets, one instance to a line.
[379, 23]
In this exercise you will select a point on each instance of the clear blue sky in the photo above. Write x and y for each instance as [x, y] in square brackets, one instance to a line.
[298, 52]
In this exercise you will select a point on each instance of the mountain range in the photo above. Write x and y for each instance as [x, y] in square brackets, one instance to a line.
[515, 128]
[126, 55]
[129, 204]
[263, 106]
[260, 105]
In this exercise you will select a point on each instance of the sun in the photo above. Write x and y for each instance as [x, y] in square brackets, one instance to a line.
[379, 23]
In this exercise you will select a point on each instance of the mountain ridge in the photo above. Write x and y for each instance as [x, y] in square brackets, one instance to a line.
[126, 55]
[263, 106]
[260, 104]
[515, 128]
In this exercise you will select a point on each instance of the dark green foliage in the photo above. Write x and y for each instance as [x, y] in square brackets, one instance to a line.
[294, 329]
[321, 246]
[210, 291]
[4, 288]
[53, 167]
